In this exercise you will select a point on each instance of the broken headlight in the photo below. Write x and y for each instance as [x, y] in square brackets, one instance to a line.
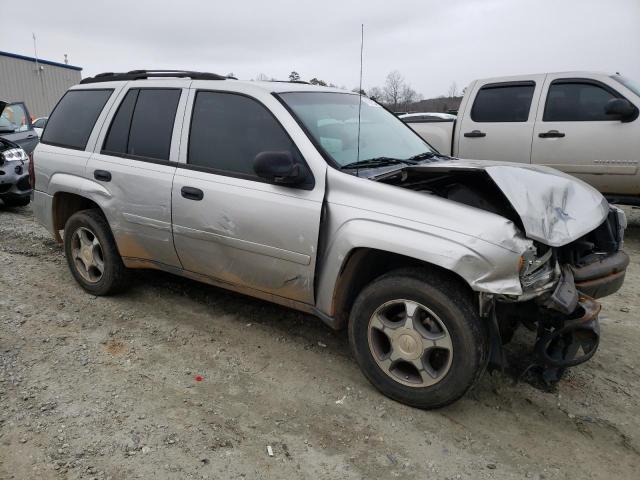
[538, 269]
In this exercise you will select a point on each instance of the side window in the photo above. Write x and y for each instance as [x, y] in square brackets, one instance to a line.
[143, 124]
[74, 117]
[503, 102]
[14, 118]
[229, 130]
[576, 102]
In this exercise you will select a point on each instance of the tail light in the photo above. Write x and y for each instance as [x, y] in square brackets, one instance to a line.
[32, 171]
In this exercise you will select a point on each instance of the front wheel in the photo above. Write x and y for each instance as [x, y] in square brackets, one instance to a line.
[418, 338]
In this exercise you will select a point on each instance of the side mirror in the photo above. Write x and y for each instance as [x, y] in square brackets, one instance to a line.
[621, 108]
[278, 167]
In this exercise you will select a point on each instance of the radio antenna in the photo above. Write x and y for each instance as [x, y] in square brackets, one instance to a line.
[360, 88]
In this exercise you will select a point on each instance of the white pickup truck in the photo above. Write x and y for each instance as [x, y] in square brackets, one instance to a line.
[582, 123]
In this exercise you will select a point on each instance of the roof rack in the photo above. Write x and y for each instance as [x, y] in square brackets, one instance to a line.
[142, 74]
[291, 81]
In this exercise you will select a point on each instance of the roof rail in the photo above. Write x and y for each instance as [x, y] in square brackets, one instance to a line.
[142, 74]
[291, 81]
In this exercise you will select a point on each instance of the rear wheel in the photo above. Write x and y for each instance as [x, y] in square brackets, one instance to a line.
[92, 255]
[417, 337]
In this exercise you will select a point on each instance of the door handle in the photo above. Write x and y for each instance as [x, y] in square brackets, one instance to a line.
[475, 134]
[551, 134]
[192, 193]
[102, 175]
[31, 136]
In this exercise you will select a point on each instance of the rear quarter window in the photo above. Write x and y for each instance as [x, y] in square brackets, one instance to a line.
[74, 117]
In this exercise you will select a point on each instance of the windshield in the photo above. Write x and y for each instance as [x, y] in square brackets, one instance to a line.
[627, 82]
[332, 120]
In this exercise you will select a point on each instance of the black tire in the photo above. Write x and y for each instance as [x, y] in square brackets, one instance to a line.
[16, 201]
[114, 277]
[453, 303]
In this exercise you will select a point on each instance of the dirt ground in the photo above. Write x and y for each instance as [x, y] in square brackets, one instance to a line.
[175, 379]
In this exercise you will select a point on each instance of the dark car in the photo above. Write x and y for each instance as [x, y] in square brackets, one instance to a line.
[16, 126]
[15, 184]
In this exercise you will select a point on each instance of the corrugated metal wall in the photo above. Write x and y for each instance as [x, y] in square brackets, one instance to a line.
[21, 81]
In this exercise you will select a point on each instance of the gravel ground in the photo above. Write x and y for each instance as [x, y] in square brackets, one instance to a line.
[175, 379]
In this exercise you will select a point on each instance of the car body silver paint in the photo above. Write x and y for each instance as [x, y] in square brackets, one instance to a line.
[481, 247]
[554, 207]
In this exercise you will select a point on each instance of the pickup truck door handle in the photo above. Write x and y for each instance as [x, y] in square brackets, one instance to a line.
[31, 136]
[475, 134]
[102, 175]
[551, 134]
[191, 193]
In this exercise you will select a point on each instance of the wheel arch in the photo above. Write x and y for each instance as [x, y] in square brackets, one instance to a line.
[363, 265]
[362, 251]
[65, 204]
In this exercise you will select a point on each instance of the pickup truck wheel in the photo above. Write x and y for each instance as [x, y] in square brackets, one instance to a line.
[92, 255]
[417, 338]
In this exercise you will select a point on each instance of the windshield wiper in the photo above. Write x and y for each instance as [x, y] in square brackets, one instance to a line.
[422, 156]
[378, 162]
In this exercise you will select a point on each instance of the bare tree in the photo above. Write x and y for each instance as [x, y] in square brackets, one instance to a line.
[408, 96]
[453, 90]
[376, 93]
[393, 89]
[261, 77]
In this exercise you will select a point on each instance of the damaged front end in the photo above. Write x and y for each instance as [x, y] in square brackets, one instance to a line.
[574, 255]
[564, 312]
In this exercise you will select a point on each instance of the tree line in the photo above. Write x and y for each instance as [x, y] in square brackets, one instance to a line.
[396, 93]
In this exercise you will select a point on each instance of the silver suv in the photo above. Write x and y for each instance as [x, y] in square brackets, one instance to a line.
[322, 201]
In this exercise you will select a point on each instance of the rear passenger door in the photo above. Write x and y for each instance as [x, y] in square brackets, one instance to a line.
[231, 225]
[135, 163]
[499, 123]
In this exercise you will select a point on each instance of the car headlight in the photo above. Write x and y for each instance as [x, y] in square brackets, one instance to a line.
[14, 154]
[537, 270]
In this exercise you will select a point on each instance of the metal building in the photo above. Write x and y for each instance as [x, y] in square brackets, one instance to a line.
[39, 83]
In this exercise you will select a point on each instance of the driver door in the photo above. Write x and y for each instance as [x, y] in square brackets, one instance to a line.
[228, 223]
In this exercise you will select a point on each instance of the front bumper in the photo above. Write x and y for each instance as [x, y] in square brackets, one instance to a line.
[14, 179]
[602, 278]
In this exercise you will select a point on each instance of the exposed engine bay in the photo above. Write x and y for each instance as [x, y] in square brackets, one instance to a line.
[562, 273]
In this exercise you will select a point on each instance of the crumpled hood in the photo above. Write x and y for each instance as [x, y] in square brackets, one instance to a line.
[555, 208]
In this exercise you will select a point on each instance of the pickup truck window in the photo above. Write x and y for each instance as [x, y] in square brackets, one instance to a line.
[72, 120]
[508, 102]
[576, 102]
[228, 131]
[331, 120]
